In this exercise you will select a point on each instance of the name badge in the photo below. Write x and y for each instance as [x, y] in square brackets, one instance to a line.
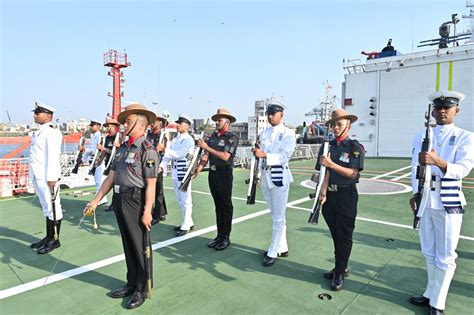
[344, 157]
[117, 189]
[221, 143]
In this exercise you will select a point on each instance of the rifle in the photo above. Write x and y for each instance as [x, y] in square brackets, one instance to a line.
[194, 158]
[147, 255]
[254, 178]
[98, 158]
[112, 155]
[252, 181]
[423, 174]
[79, 157]
[314, 217]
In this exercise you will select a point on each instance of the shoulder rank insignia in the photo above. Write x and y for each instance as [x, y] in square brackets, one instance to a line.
[150, 163]
[356, 154]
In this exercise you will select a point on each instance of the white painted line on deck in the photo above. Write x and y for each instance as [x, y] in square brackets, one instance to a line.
[400, 177]
[389, 173]
[382, 222]
[108, 261]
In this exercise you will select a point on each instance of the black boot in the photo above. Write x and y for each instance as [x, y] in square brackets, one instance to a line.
[40, 243]
[337, 281]
[52, 244]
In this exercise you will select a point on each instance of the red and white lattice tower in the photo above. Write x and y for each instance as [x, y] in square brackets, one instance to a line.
[116, 61]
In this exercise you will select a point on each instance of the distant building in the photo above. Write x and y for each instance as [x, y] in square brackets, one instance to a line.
[241, 130]
[260, 108]
[76, 125]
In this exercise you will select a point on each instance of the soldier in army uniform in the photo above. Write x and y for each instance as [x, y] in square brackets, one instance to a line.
[133, 179]
[339, 193]
[154, 135]
[220, 150]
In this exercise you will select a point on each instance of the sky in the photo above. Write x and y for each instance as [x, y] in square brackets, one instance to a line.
[193, 57]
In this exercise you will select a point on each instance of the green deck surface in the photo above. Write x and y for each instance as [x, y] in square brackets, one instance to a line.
[387, 266]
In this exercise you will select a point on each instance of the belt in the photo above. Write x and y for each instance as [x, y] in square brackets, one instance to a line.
[347, 187]
[119, 189]
[269, 167]
[219, 167]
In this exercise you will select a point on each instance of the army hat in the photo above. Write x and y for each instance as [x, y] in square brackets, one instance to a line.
[274, 106]
[136, 108]
[446, 98]
[222, 112]
[340, 114]
[111, 121]
[184, 118]
[43, 108]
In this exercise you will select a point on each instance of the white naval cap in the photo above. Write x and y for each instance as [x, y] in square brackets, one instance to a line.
[184, 118]
[43, 108]
[274, 105]
[95, 122]
[446, 98]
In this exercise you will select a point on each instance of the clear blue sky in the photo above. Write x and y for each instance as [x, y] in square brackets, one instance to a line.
[196, 56]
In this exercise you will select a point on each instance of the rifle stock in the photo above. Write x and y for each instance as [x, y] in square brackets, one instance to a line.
[183, 186]
[253, 180]
[423, 174]
[78, 158]
[314, 216]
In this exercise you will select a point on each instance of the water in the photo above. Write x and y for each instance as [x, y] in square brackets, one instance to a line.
[7, 148]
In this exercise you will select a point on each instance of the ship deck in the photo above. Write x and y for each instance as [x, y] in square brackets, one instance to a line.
[386, 265]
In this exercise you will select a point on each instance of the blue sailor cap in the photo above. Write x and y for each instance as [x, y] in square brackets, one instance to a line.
[184, 118]
[446, 98]
[274, 106]
[43, 108]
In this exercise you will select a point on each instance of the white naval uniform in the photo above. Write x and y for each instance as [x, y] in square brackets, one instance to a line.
[440, 225]
[88, 156]
[44, 166]
[177, 151]
[278, 142]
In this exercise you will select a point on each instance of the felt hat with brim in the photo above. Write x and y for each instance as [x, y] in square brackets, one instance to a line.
[184, 118]
[446, 98]
[163, 120]
[339, 114]
[136, 108]
[111, 121]
[222, 112]
[95, 122]
[43, 108]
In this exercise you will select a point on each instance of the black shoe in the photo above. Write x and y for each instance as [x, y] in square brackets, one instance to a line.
[181, 232]
[268, 261]
[223, 244]
[337, 282]
[154, 221]
[284, 254]
[178, 228]
[109, 209]
[122, 292]
[49, 247]
[214, 242]
[330, 274]
[40, 243]
[136, 300]
[435, 311]
[420, 300]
